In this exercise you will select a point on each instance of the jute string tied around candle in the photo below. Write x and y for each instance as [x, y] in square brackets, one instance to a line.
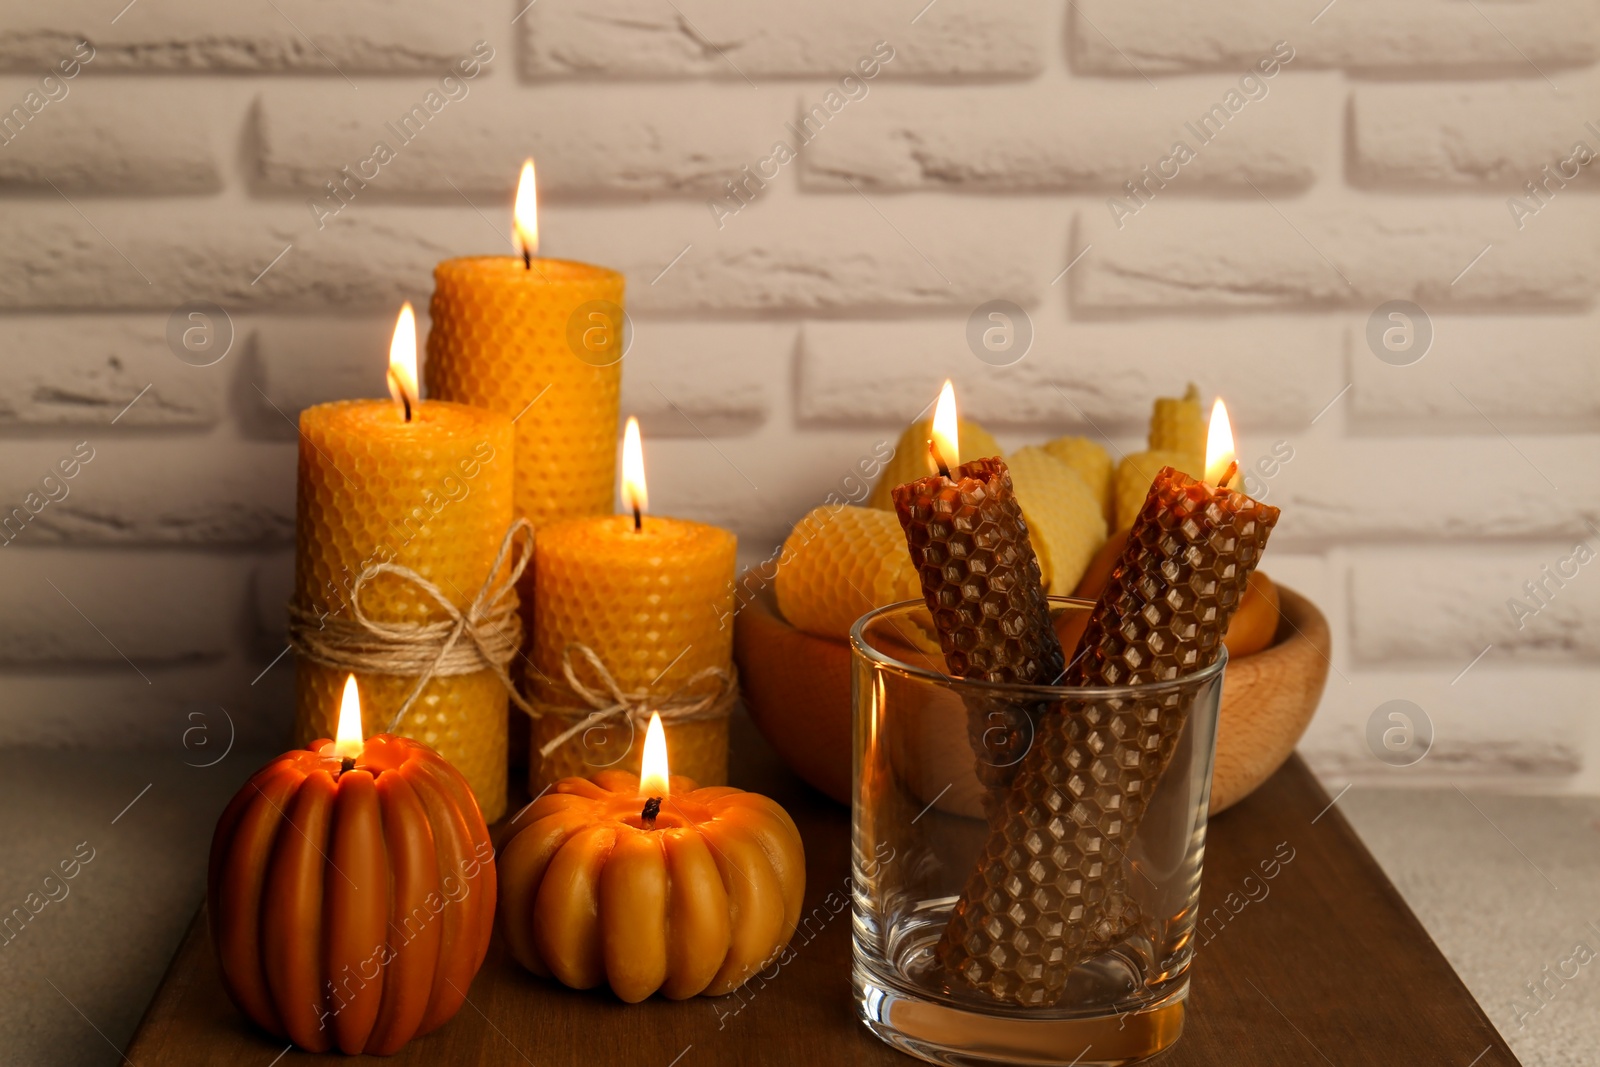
[483, 637]
[610, 702]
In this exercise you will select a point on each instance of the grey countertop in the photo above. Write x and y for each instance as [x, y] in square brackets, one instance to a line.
[1508, 886]
[76, 977]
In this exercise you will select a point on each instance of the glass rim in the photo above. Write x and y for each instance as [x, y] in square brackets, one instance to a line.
[860, 646]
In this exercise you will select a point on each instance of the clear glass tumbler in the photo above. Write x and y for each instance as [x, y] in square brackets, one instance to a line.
[935, 759]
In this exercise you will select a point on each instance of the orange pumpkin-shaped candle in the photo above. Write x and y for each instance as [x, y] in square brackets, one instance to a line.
[646, 886]
[351, 892]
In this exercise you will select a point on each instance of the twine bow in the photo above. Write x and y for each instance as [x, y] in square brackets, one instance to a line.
[610, 701]
[483, 637]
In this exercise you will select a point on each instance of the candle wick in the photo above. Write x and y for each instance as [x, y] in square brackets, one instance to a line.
[933, 450]
[1227, 475]
[527, 257]
[638, 519]
[652, 808]
[347, 764]
[405, 400]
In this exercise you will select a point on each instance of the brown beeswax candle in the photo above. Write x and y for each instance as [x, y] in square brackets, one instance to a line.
[1085, 783]
[980, 579]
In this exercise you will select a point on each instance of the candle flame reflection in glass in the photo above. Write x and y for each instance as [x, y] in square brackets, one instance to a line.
[349, 740]
[944, 449]
[1219, 444]
[634, 495]
[525, 215]
[653, 761]
[403, 361]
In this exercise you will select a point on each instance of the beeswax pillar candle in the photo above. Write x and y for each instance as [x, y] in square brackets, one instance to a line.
[652, 597]
[540, 341]
[433, 494]
[500, 341]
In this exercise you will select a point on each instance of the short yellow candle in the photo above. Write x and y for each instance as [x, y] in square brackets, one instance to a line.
[433, 494]
[652, 597]
[540, 341]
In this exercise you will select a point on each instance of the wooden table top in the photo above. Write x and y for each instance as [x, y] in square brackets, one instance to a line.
[1323, 964]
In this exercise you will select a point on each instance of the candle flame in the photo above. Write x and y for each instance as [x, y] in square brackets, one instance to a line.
[1219, 444]
[403, 360]
[653, 763]
[945, 447]
[525, 215]
[634, 495]
[348, 742]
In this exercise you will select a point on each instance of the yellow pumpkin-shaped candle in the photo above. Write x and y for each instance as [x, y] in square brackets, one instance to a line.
[646, 886]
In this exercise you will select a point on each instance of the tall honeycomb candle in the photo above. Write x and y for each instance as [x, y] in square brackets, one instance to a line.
[540, 341]
[431, 493]
[651, 598]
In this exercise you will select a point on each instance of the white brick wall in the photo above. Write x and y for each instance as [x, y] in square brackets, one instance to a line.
[1482, 136]
[1093, 374]
[789, 315]
[684, 139]
[99, 138]
[1524, 373]
[1084, 137]
[633, 39]
[85, 374]
[1368, 36]
[1354, 255]
[358, 36]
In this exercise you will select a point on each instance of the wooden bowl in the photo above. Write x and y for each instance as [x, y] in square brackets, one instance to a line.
[797, 690]
[796, 687]
[1268, 699]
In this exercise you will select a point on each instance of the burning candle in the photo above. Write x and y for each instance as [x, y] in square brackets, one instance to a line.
[420, 484]
[976, 565]
[540, 341]
[981, 582]
[351, 892]
[649, 597]
[647, 882]
[349, 737]
[1220, 462]
[1162, 616]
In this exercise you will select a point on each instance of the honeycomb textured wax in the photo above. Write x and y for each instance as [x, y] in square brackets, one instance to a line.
[433, 495]
[980, 580]
[1093, 465]
[1050, 886]
[1138, 470]
[839, 563]
[1063, 515]
[1178, 424]
[910, 460]
[655, 604]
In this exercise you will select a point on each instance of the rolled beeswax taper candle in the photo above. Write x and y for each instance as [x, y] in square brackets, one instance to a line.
[424, 485]
[1080, 793]
[981, 582]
